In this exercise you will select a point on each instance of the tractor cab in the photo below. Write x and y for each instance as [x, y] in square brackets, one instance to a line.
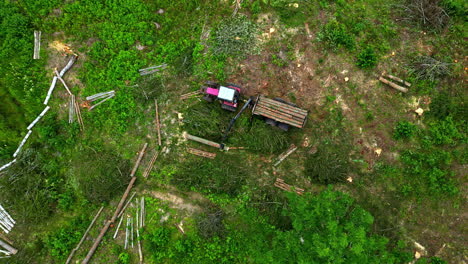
[228, 95]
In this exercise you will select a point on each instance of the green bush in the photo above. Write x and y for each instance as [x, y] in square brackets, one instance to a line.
[404, 130]
[367, 58]
[444, 132]
[335, 35]
[330, 164]
[61, 242]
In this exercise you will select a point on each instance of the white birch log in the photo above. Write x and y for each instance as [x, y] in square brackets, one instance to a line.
[63, 82]
[37, 44]
[51, 89]
[69, 65]
[11, 249]
[118, 227]
[5, 252]
[126, 205]
[7, 165]
[92, 107]
[291, 149]
[99, 95]
[22, 144]
[140, 253]
[38, 117]
[131, 232]
[126, 234]
[71, 109]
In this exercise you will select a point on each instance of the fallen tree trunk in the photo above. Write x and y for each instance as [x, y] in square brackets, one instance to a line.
[117, 210]
[393, 85]
[291, 149]
[398, 80]
[7, 165]
[202, 140]
[84, 235]
[33, 123]
[10, 249]
[22, 144]
[37, 44]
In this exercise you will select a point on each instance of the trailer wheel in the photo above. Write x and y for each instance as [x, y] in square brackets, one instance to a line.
[283, 126]
[211, 84]
[270, 121]
[208, 98]
[228, 107]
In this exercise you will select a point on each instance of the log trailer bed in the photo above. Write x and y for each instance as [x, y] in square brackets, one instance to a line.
[279, 111]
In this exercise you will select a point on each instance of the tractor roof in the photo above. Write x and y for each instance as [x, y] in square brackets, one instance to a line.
[226, 93]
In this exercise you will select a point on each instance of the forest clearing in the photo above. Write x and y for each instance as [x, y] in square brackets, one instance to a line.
[244, 131]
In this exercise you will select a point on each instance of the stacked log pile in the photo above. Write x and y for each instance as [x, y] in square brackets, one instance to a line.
[283, 186]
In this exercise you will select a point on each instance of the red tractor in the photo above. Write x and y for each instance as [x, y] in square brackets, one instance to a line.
[228, 94]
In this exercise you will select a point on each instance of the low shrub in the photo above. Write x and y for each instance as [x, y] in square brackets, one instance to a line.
[335, 35]
[444, 132]
[404, 130]
[61, 242]
[367, 58]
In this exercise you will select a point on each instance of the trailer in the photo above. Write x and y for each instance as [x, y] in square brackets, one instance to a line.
[280, 113]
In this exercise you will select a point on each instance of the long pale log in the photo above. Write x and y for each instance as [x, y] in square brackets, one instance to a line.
[118, 227]
[63, 82]
[140, 253]
[51, 89]
[22, 144]
[84, 235]
[38, 117]
[393, 85]
[92, 107]
[7, 165]
[37, 44]
[158, 125]
[117, 210]
[126, 205]
[69, 65]
[10, 249]
[291, 149]
[202, 140]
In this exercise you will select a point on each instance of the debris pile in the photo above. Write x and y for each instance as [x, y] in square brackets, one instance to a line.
[283, 186]
[400, 87]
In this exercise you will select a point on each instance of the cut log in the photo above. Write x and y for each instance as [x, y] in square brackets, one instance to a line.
[398, 80]
[117, 210]
[202, 140]
[92, 107]
[282, 185]
[158, 125]
[201, 153]
[7, 165]
[288, 152]
[393, 85]
[118, 227]
[37, 44]
[9, 248]
[69, 65]
[22, 144]
[51, 89]
[126, 205]
[84, 235]
[33, 123]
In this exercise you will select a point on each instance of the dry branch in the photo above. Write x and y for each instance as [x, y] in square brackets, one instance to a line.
[117, 210]
[63, 82]
[188, 95]
[118, 227]
[84, 235]
[393, 85]
[126, 205]
[158, 125]
[78, 115]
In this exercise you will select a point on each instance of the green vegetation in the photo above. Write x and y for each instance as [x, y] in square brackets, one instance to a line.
[376, 176]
